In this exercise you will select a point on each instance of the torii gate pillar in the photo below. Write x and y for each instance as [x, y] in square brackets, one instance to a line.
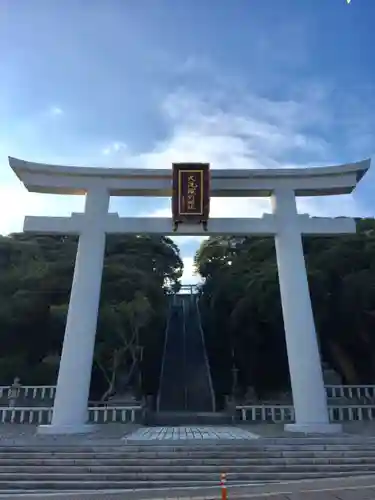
[309, 396]
[73, 382]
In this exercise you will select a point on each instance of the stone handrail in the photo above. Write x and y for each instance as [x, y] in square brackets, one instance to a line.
[31, 391]
[127, 414]
[158, 397]
[351, 391]
[43, 415]
[285, 413]
[47, 392]
[356, 392]
[208, 366]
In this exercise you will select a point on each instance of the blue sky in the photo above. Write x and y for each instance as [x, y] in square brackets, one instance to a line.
[143, 83]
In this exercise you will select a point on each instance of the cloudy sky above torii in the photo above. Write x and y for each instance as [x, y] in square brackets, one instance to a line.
[245, 84]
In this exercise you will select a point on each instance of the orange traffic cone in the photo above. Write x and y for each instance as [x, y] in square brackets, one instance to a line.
[223, 486]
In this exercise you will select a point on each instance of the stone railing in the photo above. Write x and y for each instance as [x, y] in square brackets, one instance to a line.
[97, 415]
[127, 414]
[351, 391]
[362, 409]
[39, 392]
[285, 413]
[359, 394]
[42, 392]
[265, 413]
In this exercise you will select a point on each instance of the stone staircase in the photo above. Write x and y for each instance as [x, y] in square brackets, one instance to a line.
[199, 392]
[172, 392]
[185, 396]
[48, 467]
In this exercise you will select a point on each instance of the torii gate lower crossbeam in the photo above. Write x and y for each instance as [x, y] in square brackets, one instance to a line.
[70, 407]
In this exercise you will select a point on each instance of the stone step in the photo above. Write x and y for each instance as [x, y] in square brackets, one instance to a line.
[185, 462]
[124, 451]
[302, 441]
[255, 472]
[12, 493]
[44, 442]
[102, 487]
[301, 453]
[208, 447]
[141, 470]
[160, 487]
[173, 448]
[104, 492]
[157, 446]
[165, 480]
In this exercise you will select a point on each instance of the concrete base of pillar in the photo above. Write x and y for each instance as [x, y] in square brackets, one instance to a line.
[66, 429]
[312, 428]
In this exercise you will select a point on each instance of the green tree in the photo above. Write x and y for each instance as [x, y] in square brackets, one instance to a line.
[35, 282]
[242, 316]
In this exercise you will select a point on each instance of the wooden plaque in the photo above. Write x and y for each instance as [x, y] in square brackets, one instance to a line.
[191, 192]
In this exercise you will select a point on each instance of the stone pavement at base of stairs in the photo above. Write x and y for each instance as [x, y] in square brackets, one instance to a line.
[111, 434]
[359, 488]
[120, 434]
[189, 433]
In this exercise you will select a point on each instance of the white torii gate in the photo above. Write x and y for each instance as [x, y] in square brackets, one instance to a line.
[98, 184]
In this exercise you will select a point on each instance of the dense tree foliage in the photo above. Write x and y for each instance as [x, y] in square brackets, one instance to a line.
[35, 279]
[241, 308]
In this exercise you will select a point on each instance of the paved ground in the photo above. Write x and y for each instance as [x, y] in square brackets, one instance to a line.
[25, 434]
[364, 428]
[189, 433]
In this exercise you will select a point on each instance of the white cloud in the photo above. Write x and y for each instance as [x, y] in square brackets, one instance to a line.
[21, 203]
[189, 277]
[260, 134]
[114, 147]
[253, 138]
[55, 111]
[16, 202]
[253, 132]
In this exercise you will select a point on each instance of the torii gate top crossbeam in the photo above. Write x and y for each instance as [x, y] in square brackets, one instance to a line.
[56, 179]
